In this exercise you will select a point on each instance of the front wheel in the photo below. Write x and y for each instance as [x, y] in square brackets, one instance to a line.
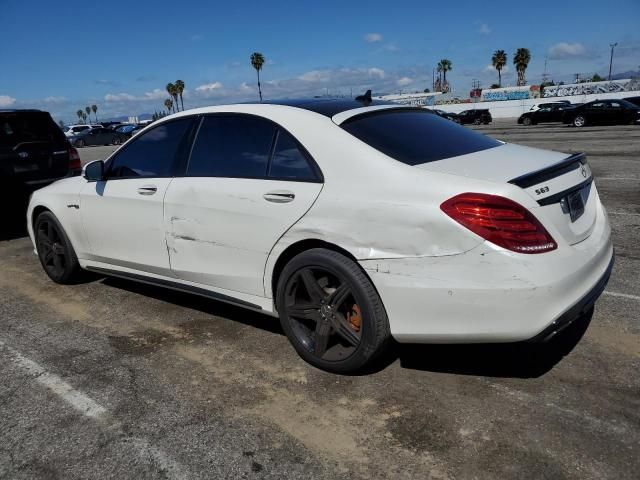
[579, 121]
[57, 257]
[527, 122]
[477, 121]
[116, 140]
[81, 143]
[331, 312]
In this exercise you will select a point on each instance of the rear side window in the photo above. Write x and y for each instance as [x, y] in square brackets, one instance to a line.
[24, 127]
[232, 146]
[289, 161]
[152, 154]
[414, 137]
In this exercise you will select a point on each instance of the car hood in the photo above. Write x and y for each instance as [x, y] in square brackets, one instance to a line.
[499, 164]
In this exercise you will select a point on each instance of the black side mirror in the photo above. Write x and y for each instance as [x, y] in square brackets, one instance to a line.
[94, 171]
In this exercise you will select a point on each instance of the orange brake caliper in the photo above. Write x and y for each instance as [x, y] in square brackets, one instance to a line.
[354, 317]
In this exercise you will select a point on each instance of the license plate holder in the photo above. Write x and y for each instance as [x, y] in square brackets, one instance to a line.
[575, 203]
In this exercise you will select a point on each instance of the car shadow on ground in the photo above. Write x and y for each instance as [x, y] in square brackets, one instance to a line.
[513, 360]
[14, 218]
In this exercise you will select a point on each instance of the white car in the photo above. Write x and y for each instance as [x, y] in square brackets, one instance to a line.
[71, 130]
[353, 222]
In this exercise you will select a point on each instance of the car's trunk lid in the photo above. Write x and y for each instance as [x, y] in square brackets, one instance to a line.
[561, 184]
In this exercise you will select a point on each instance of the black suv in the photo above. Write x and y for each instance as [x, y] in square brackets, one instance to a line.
[33, 150]
[546, 112]
[475, 116]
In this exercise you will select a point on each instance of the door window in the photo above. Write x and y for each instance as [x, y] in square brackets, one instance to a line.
[152, 154]
[289, 162]
[235, 146]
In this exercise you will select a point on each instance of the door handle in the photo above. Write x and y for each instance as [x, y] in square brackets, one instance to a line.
[279, 196]
[147, 190]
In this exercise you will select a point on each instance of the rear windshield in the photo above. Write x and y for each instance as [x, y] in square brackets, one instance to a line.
[416, 136]
[28, 127]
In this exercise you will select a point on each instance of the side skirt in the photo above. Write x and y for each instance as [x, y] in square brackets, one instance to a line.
[159, 282]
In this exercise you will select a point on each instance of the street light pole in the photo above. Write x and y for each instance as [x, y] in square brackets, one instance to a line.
[612, 45]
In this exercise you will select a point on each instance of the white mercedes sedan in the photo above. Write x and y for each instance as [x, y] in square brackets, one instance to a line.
[353, 221]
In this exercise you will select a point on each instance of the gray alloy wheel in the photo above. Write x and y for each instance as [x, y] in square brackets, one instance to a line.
[527, 121]
[579, 121]
[331, 312]
[57, 257]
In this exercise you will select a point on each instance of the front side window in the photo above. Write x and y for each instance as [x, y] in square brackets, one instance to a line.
[232, 146]
[153, 154]
[414, 137]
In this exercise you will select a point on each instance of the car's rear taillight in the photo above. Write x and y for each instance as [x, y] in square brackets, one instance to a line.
[74, 159]
[500, 221]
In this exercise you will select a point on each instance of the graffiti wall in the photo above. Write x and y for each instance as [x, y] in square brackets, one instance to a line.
[591, 88]
[511, 93]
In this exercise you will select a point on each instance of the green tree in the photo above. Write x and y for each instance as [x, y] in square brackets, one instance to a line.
[597, 78]
[171, 90]
[521, 60]
[180, 89]
[61, 123]
[445, 66]
[499, 61]
[84, 117]
[79, 114]
[257, 61]
[168, 103]
[88, 110]
[94, 109]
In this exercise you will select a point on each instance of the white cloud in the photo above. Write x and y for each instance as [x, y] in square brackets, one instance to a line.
[55, 100]
[209, 87]
[376, 72]
[492, 69]
[567, 50]
[156, 94]
[119, 97]
[404, 81]
[244, 87]
[373, 37]
[6, 101]
[391, 47]
[316, 76]
[484, 29]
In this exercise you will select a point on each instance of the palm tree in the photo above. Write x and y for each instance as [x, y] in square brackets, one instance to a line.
[171, 90]
[521, 60]
[169, 104]
[180, 88]
[84, 117]
[88, 110]
[61, 123]
[445, 66]
[499, 60]
[79, 113]
[257, 60]
[94, 108]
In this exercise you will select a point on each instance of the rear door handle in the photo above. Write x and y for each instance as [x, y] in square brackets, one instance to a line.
[279, 196]
[147, 190]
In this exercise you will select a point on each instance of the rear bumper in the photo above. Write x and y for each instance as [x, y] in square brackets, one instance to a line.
[492, 295]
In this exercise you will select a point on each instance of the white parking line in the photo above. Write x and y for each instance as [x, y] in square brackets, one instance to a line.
[73, 397]
[90, 408]
[622, 295]
[624, 213]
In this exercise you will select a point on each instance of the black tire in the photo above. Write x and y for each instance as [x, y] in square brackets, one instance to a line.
[56, 254]
[116, 140]
[325, 332]
[81, 143]
[477, 121]
[579, 121]
[527, 121]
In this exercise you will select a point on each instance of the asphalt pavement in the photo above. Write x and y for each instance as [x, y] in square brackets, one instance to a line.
[110, 379]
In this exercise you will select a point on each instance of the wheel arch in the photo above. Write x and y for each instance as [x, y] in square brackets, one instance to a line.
[296, 249]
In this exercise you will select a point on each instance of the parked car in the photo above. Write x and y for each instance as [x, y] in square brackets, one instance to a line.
[603, 112]
[386, 221]
[448, 115]
[634, 100]
[548, 104]
[475, 116]
[96, 136]
[71, 130]
[549, 112]
[33, 150]
[126, 130]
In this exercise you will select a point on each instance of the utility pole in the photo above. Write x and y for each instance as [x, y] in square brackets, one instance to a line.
[433, 80]
[545, 76]
[612, 45]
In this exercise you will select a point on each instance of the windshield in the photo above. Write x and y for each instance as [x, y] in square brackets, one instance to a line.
[414, 137]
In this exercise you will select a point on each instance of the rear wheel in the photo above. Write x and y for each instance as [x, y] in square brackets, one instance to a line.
[477, 121]
[527, 121]
[54, 250]
[331, 312]
[81, 143]
[116, 140]
[579, 121]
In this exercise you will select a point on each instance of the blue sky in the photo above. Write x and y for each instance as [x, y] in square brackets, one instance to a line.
[62, 55]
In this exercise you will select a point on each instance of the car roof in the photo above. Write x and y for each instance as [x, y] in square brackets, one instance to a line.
[328, 107]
